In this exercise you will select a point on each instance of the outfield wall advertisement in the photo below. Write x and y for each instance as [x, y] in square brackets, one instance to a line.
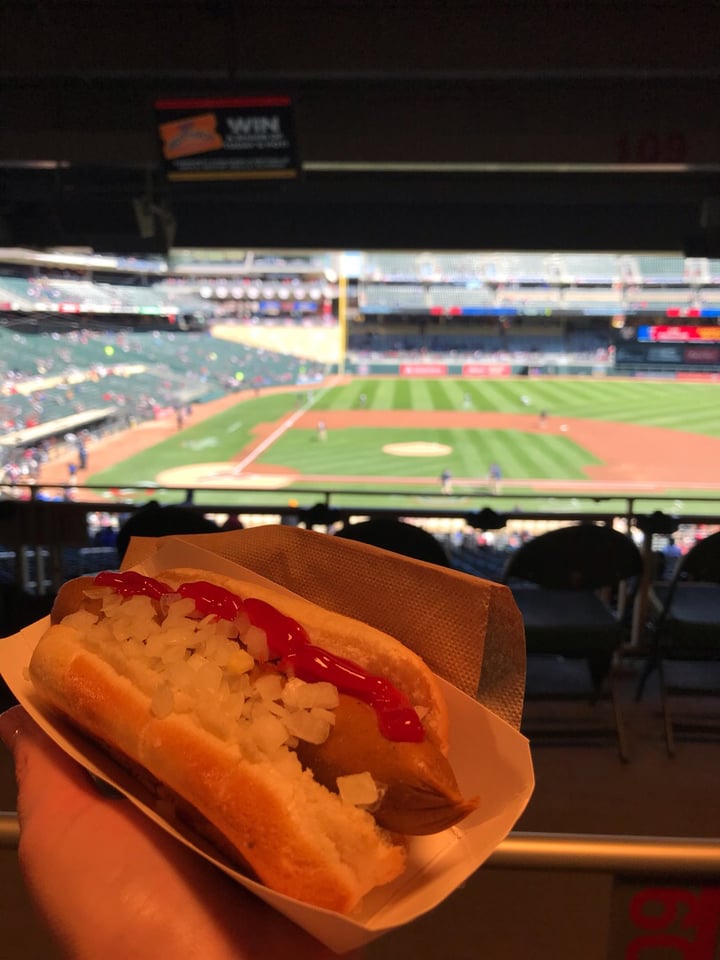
[464, 370]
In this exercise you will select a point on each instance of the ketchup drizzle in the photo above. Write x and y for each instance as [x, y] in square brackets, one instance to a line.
[132, 584]
[288, 640]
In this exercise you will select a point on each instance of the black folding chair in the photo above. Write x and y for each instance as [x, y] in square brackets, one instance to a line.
[572, 587]
[684, 626]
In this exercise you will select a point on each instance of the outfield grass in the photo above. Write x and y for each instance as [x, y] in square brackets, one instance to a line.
[358, 452]
[691, 407]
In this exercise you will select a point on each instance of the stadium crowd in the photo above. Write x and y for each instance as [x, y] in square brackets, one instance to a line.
[133, 376]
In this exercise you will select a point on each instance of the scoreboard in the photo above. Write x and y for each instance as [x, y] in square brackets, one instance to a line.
[668, 346]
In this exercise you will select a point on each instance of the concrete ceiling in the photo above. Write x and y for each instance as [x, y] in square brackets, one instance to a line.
[428, 124]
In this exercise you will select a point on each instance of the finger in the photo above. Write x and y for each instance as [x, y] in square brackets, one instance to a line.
[42, 770]
[80, 852]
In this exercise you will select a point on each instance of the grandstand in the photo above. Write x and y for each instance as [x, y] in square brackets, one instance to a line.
[545, 308]
[52, 383]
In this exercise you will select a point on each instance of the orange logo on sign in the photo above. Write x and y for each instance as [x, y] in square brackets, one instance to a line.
[190, 135]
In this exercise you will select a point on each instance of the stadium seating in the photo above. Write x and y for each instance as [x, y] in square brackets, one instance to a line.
[661, 269]
[139, 372]
[685, 627]
[591, 268]
[565, 583]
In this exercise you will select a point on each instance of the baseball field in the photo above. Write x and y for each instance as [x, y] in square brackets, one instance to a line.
[393, 438]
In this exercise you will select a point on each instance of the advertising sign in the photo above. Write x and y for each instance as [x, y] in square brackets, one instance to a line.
[702, 355]
[227, 138]
[423, 369]
[486, 369]
[677, 334]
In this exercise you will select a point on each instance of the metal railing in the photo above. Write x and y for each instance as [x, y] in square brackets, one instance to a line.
[39, 531]
[633, 856]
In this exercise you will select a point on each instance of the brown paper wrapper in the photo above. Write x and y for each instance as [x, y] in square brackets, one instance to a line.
[469, 631]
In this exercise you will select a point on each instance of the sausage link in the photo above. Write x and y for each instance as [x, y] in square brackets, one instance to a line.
[420, 793]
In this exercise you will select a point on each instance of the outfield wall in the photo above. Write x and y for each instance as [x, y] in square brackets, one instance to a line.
[541, 367]
[391, 367]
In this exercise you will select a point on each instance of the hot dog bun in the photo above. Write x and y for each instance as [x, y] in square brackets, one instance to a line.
[167, 703]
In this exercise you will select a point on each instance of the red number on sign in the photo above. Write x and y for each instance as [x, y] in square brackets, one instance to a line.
[652, 148]
[698, 913]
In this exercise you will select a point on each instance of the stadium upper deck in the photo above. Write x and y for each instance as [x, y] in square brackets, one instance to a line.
[204, 285]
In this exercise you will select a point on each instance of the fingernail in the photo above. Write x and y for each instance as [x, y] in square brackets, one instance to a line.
[11, 724]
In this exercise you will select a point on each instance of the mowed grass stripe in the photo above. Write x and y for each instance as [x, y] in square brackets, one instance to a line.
[468, 459]
[648, 402]
[350, 396]
[445, 394]
[401, 396]
[495, 395]
[520, 455]
[455, 392]
[421, 394]
[219, 438]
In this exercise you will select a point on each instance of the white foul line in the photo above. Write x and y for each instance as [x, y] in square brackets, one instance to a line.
[272, 437]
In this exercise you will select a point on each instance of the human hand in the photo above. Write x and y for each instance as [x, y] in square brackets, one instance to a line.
[110, 883]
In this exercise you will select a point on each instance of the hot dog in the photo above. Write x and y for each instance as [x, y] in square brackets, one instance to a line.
[304, 744]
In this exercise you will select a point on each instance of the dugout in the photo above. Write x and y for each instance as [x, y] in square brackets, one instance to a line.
[16, 441]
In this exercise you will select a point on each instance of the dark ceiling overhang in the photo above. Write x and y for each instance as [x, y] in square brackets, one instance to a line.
[425, 124]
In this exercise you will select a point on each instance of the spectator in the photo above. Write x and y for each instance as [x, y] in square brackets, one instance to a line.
[398, 536]
[154, 520]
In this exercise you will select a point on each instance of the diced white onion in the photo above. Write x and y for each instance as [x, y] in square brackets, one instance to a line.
[255, 640]
[320, 713]
[239, 661]
[301, 695]
[359, 789]
[209, 677]
[269, 686]
[304, 726]
[208, 666]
